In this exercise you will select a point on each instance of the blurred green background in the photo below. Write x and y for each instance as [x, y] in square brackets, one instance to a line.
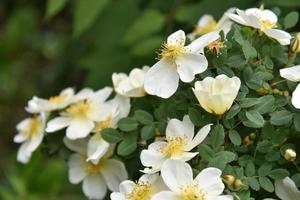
[46, 46]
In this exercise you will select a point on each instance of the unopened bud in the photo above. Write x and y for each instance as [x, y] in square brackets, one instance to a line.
[228, 179]
[286, 93]
[247, 141]
[295, 45]
[290, 155]
[238, 183]
[252, 136]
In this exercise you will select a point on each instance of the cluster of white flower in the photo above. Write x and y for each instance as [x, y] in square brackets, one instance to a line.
[167, 175]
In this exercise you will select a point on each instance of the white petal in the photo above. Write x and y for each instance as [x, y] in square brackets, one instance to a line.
[35, 141]
[166, 195]
[225, 197]
[177, 38]
[238, 19]
[291, 73]
[23, 124]
[269, 16]
[79, 128]
[225, 23]
[102, 94]
[151, 158]
[76, 168]
[296, 97]
[83, 94]
[185, 156]
[188, 65]
[24, 154]
[210, 181]
[286, 189]
[127, 186]
[19, 138]
[114, 172]
[162, 79]
[282, 37]
[117, 196]
[94, 186]
[97, 147]
[123, 105]
[200, 43]
[176, 174]
[199, 137]
[251, 19]
[98, 111]
[205, 20]
[78, 145]
[177, 128]
[57, 124]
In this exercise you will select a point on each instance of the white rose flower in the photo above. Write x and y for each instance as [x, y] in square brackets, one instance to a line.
[177, 62]
[178, 176]
[264, 20]
[207, 24]
[180, 140]
[81, 116]
[286, 189]
[131, 85]
[143, 189]
[293, 74]
[97, 146]
[37, 105]
[30, 134]
[216, 95]
[96, 177]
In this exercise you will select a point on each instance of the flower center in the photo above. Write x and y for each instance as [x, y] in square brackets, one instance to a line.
[174, 147]
[35, 126]
[209, 27]
[192, 192]
[266, 24]
[92, 168]
[102, 125]
[216, 46]
[170, 52]
[141, 191]
[58, 99]
[79, 109]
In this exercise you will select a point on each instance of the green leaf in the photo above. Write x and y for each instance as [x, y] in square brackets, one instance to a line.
[249, 102]
[111, 135]
[266, 184]
[278, 174]
[148, 132]
[297, 122]
[221, 159]
[250, 169]
[264, 146]
[253, 183]
[149, 22]
[205, 152]
[266, 104]
[281, 117]
[195, 116]
[255, 119]
[291, 19]
[217, 136]
[143, 117]
[248, 50]
[85, 14]
[234, 110]
[53, 7]
[127, 124]
[265, 169]
[235, 137]
[127, 146]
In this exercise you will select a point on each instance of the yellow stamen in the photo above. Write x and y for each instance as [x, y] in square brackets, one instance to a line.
[192, 192]
[58, 99]
[174, 147]
[35, 126]
[216, 46]
[79, 109]
[102, 125]
[93, 168]
[141, 191]
[170, 52]
[266, 24]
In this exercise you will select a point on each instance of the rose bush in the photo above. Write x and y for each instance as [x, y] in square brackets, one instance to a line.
[234, 81]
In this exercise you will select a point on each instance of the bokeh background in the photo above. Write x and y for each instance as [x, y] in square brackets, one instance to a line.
[46, 46]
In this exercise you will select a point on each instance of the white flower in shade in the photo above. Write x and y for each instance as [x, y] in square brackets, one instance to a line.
[37, 105]
[293, 74]
[81, 116]
[180, 140]
[96, 177]
[178, 176]
[264, 20]
[131, 85]
[30, 134]
[143, 189]
[177, 62]
[286, 189]
[97, 146]
[207, 24]
[216, 95]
